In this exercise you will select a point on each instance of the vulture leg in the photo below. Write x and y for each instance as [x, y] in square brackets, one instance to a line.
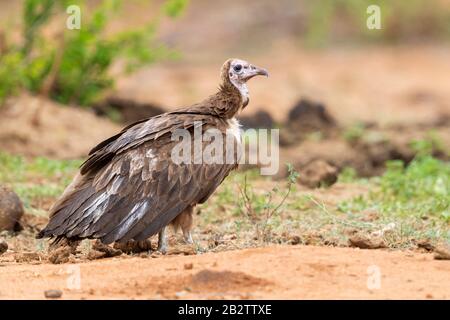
[162, 241]
[188, 237]
[185, 221]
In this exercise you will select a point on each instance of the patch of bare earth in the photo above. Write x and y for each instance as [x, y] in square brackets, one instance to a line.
[34, 126]
[289, 272]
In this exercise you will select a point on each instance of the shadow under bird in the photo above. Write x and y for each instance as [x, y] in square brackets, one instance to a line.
[130, 189]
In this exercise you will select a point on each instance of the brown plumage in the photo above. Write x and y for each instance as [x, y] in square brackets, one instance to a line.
[130, 189]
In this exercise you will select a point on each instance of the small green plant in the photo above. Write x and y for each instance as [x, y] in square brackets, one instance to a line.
[429, 145]
[420, 189]
[354, 132]
[260, 209]
[348, 174]
[74, 66]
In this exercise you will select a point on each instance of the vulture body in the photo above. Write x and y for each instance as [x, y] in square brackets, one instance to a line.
[130, 189]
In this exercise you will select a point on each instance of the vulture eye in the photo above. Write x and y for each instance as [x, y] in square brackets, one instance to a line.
[237, 68]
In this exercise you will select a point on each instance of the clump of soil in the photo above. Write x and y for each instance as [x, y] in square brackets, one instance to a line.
[209, 280]
[426, 245]
[307, 116]
[364, 242]
[27, 257]
[11, 210]
[367, 154]
[60, 255]
[133, 246]
[335, 152]
[33, 126]
[260, 120]
[318, 173]
[100, 250]
[442, 253]
[218, 282]
[129, 110]
[3, 246]
[182, 249]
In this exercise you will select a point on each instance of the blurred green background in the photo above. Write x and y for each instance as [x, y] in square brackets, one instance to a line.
[40, 55]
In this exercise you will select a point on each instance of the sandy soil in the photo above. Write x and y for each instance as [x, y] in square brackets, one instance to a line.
[308, 272]
[34, 126]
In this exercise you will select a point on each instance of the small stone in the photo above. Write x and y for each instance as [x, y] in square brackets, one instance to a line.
[3, 246]
[188, 266]
[53, 294]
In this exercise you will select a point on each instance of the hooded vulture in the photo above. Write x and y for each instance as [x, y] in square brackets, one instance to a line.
[129, 188]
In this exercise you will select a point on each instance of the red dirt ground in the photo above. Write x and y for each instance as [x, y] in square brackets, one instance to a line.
[278, 272]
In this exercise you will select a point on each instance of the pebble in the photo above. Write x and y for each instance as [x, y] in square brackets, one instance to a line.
[53, 294]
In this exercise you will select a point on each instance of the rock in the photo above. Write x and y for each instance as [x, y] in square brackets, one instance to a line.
[11, 210]
[260, 120]
[318, 173]
[188, 266]
[360, 241]
[3, 246]
[53, 294]
[442, 253]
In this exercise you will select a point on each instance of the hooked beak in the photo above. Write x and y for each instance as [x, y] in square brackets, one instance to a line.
[256, 71]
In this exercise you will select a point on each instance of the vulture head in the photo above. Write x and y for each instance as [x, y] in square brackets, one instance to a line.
[236, 72]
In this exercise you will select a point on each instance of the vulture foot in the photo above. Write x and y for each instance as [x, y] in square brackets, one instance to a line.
[162, 241]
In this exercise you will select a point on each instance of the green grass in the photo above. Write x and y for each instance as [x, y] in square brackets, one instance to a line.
[414, 199]
[38, 180]
[15, 168]
[411, 201]
[421, 189]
